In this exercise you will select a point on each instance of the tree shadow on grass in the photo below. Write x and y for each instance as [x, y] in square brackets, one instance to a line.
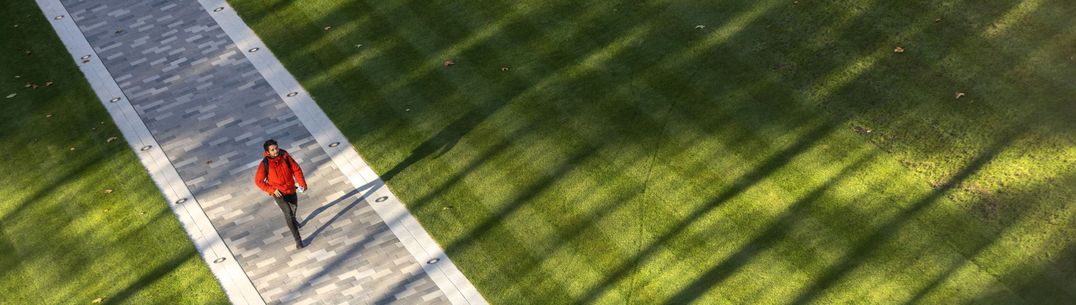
[777, 230]
[154, 275]
[1047, 284]
[746, 181]
[1047, 275]
[887, 231]
[75, 173]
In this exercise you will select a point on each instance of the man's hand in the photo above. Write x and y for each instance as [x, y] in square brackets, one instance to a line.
[276, 193]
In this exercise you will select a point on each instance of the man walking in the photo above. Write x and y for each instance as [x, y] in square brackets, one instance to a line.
[278, 175]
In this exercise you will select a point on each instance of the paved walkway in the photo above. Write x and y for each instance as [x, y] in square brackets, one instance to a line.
[197, 106]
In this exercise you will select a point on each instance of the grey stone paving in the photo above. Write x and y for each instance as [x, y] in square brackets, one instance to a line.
[210, 110]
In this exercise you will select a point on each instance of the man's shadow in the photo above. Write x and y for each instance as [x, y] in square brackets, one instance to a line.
[370, 189]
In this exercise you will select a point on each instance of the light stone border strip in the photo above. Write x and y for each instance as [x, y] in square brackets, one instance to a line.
[400, 221]
[237, 286]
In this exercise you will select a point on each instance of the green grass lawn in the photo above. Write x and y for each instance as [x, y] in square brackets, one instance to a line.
[63, 239]
[652, 152]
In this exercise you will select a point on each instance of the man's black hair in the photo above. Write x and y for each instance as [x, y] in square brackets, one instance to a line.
[269, 143]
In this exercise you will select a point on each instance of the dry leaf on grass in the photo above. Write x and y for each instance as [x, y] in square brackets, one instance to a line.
[449, 62]
[110, 139]
[11, 95]
[898, 50]
[98, 300]
[862, 130]
[959, 95]
[108, 191]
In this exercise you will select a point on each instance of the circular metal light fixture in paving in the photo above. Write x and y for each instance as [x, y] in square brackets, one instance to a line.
[219, 260]
[381, 199]
[85, 57]
[59, 17]
[115, 99]
[218, 9]
[334, 144]
[147, 147]
[252, 50]
[293, 93]
[433, 261]
[181, 200]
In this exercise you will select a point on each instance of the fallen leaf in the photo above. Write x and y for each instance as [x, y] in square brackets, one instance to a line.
[28, 52]
[98, 300]
[449, 62]
[11, 95]
[700, 27]
[48, 84]
[898, 50]
[959, 95]
[18, 76]
[504, 68]
[27, 85]
[328, 28]
[48, 115]
[72, 148]
[358, 45]
[110, 139]
[108, 191]
[862, 130]
[16, 25]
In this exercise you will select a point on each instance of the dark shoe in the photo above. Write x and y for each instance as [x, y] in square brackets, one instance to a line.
[298, 244]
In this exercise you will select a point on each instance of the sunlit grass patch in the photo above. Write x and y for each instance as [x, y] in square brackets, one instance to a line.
[713, 152]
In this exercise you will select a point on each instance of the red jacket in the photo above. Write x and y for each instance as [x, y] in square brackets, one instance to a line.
[281, 177]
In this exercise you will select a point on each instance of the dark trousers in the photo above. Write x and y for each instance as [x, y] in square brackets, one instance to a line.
[288, 204]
